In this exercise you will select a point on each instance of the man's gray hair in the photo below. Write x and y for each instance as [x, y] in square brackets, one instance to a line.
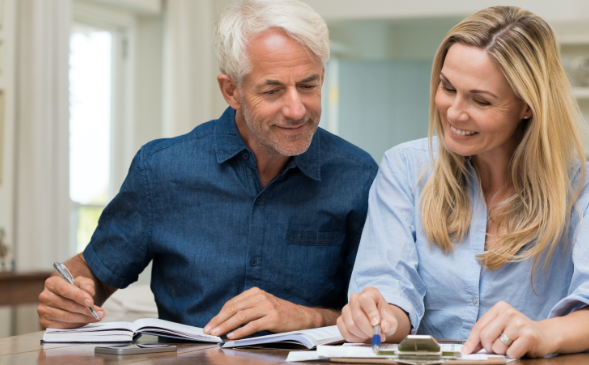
[243, 20]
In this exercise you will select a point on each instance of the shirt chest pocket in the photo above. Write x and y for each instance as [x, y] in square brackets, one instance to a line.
[312, 261]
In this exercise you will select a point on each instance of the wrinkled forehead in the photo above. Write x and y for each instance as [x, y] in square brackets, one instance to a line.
[276, 53]
[275, 38]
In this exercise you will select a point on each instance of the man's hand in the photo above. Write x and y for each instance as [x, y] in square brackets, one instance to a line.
[368, 309]
[261, 311]
[63, 305]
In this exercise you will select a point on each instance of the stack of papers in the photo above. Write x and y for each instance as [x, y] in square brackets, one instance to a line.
[364, 351]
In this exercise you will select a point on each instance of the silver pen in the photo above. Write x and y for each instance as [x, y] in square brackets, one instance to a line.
[67, 275]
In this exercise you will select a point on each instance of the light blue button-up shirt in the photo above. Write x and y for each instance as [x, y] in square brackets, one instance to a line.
[445, 294]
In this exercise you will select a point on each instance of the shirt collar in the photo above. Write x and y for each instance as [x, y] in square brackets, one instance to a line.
[228, 143]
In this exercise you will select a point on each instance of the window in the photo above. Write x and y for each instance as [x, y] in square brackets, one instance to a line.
[90, 78]
[100, 101]
[115, 101]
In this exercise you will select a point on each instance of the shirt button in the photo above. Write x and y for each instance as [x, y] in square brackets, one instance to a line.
[474, 300]
[258, 201]
[245, 155]
[254, 262]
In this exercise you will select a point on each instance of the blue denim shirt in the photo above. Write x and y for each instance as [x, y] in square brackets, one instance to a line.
[445, 294]
[195, 206]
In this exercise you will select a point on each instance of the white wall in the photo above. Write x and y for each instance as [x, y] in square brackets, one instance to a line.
[7, 145]
[564, 10]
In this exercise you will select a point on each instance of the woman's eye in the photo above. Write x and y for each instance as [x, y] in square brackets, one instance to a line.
[448, 89]
[482, 102]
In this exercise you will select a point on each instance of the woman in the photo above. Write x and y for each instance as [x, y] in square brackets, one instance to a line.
[477, 232]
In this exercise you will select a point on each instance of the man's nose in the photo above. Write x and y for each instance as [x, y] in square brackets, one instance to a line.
[293, 105]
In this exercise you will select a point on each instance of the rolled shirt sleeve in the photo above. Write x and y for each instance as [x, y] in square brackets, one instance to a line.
[578, 294]
[387, 257]
[119, 249]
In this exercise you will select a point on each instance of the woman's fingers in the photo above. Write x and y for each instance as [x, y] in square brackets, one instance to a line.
[362, 313]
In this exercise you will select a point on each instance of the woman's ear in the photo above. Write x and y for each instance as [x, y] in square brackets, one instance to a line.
[229, 90]
[527, 113]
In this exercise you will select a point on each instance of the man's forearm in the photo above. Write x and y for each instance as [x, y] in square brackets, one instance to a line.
[78, 267]
[324, 317]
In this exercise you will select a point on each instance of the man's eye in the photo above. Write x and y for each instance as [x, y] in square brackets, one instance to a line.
[270, 92]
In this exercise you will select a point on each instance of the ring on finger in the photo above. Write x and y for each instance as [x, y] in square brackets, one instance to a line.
[506, 340]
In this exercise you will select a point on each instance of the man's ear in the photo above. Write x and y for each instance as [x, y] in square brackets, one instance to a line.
[229, 90]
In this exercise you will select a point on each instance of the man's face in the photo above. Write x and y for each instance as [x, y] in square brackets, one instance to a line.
[280, 97]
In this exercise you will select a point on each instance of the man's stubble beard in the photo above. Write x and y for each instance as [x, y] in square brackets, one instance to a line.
[267, 140]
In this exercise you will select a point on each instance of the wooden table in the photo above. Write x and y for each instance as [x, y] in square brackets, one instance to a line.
[26, 349]
[22, 288]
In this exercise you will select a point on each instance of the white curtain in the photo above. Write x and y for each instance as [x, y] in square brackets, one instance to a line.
[42, 177]
[191, 95]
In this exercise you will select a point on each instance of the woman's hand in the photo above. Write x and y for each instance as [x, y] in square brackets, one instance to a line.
[367, 309]
[523, 335]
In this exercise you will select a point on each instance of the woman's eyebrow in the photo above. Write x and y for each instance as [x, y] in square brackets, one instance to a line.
[474, 91]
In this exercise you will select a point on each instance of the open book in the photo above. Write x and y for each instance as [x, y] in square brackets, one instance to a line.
[307, 338]
[128, 332]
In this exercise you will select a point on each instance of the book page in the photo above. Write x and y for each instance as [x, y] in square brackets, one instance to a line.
[163, 327]
[321, 333]
[96, 327]
[309, 338]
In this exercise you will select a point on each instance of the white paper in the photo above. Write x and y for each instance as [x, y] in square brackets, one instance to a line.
[361, 350]
[304, 356]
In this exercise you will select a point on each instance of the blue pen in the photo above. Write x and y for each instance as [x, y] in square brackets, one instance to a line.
[376, 339]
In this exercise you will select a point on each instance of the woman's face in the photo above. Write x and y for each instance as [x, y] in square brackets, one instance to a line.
[479, 111]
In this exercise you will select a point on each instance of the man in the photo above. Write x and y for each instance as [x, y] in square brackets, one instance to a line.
[253, 219]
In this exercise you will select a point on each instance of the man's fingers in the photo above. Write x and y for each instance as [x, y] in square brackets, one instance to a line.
[251, 327]
[85, 284]
[240, 318]
[243, 301]
[62, 288]
[216, 326]
[52, 314]
[55, 301]
[60, 325]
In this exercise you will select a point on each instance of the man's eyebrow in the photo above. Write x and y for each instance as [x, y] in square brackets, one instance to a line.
[311, 78]
[475, 91]
[271, 83]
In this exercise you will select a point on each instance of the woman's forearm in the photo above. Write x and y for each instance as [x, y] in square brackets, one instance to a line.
[570, 333]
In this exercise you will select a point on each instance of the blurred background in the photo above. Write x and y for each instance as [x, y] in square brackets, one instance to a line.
[85, 83]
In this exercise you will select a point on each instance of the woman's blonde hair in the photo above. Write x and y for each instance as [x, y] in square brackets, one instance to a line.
[524, 48]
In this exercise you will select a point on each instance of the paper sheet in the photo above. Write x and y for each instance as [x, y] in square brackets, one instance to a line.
[362, 350]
